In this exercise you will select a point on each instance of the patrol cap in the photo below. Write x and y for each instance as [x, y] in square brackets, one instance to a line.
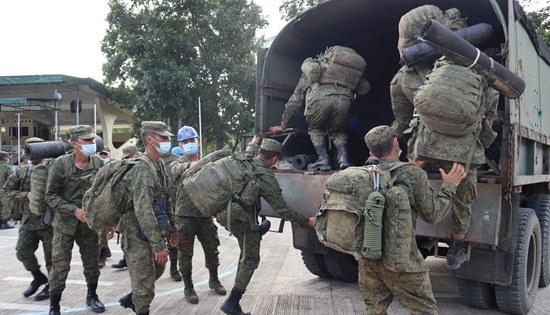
[271, 145]
[33, 139]
[379, 135]
[157, 127]
[82, 132]
[129, 150]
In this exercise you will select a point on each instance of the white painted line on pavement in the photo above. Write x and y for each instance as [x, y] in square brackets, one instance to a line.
[25, 307]
[83, 282]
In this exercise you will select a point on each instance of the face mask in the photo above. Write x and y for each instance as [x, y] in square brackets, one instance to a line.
[164, 147]
[88, 149]
[190, 148]
[106, 160]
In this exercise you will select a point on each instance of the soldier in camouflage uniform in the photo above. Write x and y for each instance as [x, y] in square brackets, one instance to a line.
[192, 223]
[69, 176]
[243, 222]
[143, 228]
[5, 172]
[33, 230]
[403, 273]
[439, 150]
[326, 107]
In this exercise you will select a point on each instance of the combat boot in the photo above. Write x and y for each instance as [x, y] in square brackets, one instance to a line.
[102, 257]
[174, 273]
[37, 282]
[214, 283]
[189, 290]
[343, 157]
[44, 294]
[120, 264]
[231, 306]
[92, 300]
[4, 225]
[323, 161]
[126, 302]
[456, 255]
[264, 227]
[55, 309]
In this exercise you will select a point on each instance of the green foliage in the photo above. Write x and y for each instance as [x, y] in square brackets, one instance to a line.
[171, 53]
[541, 22]
[291, 8]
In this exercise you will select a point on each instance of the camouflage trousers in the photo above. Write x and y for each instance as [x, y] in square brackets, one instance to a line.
[142, 269]
[249, 242]
[6, 212]
[379, 286]
[102, 236]
[27, 244]
[206, 232]
[62, 247]
[328, 113]
[466, 193]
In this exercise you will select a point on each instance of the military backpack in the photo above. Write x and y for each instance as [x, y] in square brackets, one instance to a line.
[106, 200]
[351, 216]
[341, 66]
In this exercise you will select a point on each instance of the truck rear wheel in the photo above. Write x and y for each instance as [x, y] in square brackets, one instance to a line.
[315, 263]
[519, 296]
[476, 294]
[541, 205]
[341, 266]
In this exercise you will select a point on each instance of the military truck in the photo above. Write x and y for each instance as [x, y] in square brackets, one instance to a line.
[510, 231]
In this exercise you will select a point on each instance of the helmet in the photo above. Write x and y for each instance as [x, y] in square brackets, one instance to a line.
[186, 133]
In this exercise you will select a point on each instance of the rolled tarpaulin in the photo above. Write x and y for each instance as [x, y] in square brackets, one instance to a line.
[465, 54]
[301, 161]
[53, 149]
[476, 35]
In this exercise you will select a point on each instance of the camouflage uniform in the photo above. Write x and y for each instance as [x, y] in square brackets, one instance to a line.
[65, 188]
[141, 236]
[403, 273]
[5, 172]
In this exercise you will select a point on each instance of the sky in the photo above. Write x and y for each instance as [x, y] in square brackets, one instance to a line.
[64, 36]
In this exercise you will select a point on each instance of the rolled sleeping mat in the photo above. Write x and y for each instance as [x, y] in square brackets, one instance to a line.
[476, 35]
[465, 54]
[301, 161]
[53, 149]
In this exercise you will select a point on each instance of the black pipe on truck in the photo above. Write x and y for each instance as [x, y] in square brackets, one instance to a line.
[53, 149]
[465, 54]
[476, 35]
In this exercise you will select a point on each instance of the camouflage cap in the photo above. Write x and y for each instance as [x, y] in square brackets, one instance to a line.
[131, 149]
[33, 139]
[271, 145]
[157, 127]
[3, 154]
[82, 132]
[379, 135]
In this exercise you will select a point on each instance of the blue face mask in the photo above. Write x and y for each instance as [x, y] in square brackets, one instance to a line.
[88, 149]
[190, 148]
[164, 148]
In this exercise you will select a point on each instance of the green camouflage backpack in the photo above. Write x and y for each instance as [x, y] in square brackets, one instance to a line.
[106, 200]
[39, 177]
[351, 216]
[450, 99]
[213, 186]
[342, 66]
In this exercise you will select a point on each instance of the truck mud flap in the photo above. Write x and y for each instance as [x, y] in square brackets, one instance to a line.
[305, 239]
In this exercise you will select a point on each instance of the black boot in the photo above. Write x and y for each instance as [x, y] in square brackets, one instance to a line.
[174, 273]
[343, 158]
[37, 282]
[214, 283]
[189, 290]
[323, 161]
[55, 309]
[120, 264]
[456, 255]
[44, 294]
[92, 300]
[102, 257]
[231, 306]
[4, 225]
[264, 227]
[126, 302]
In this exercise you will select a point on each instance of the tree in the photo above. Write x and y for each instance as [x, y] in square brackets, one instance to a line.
[171, 53]
[541, 22]
[291, 8]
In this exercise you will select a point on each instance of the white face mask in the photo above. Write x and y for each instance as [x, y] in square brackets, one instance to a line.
[88, 149]
[106, 160]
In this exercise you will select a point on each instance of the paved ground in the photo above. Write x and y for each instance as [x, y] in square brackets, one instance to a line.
[281, 285]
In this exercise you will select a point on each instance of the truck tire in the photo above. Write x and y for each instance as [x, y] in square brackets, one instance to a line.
[315, 263]
[519, 296]
[476, 294]
[341, 266]
[541, 205]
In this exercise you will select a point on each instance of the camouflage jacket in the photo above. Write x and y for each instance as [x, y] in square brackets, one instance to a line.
[15, 191]
[65, 188]
[431, 207]
[175, 170]
[144, 188]
[265, 185]
[172, 184]
[5, 172]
